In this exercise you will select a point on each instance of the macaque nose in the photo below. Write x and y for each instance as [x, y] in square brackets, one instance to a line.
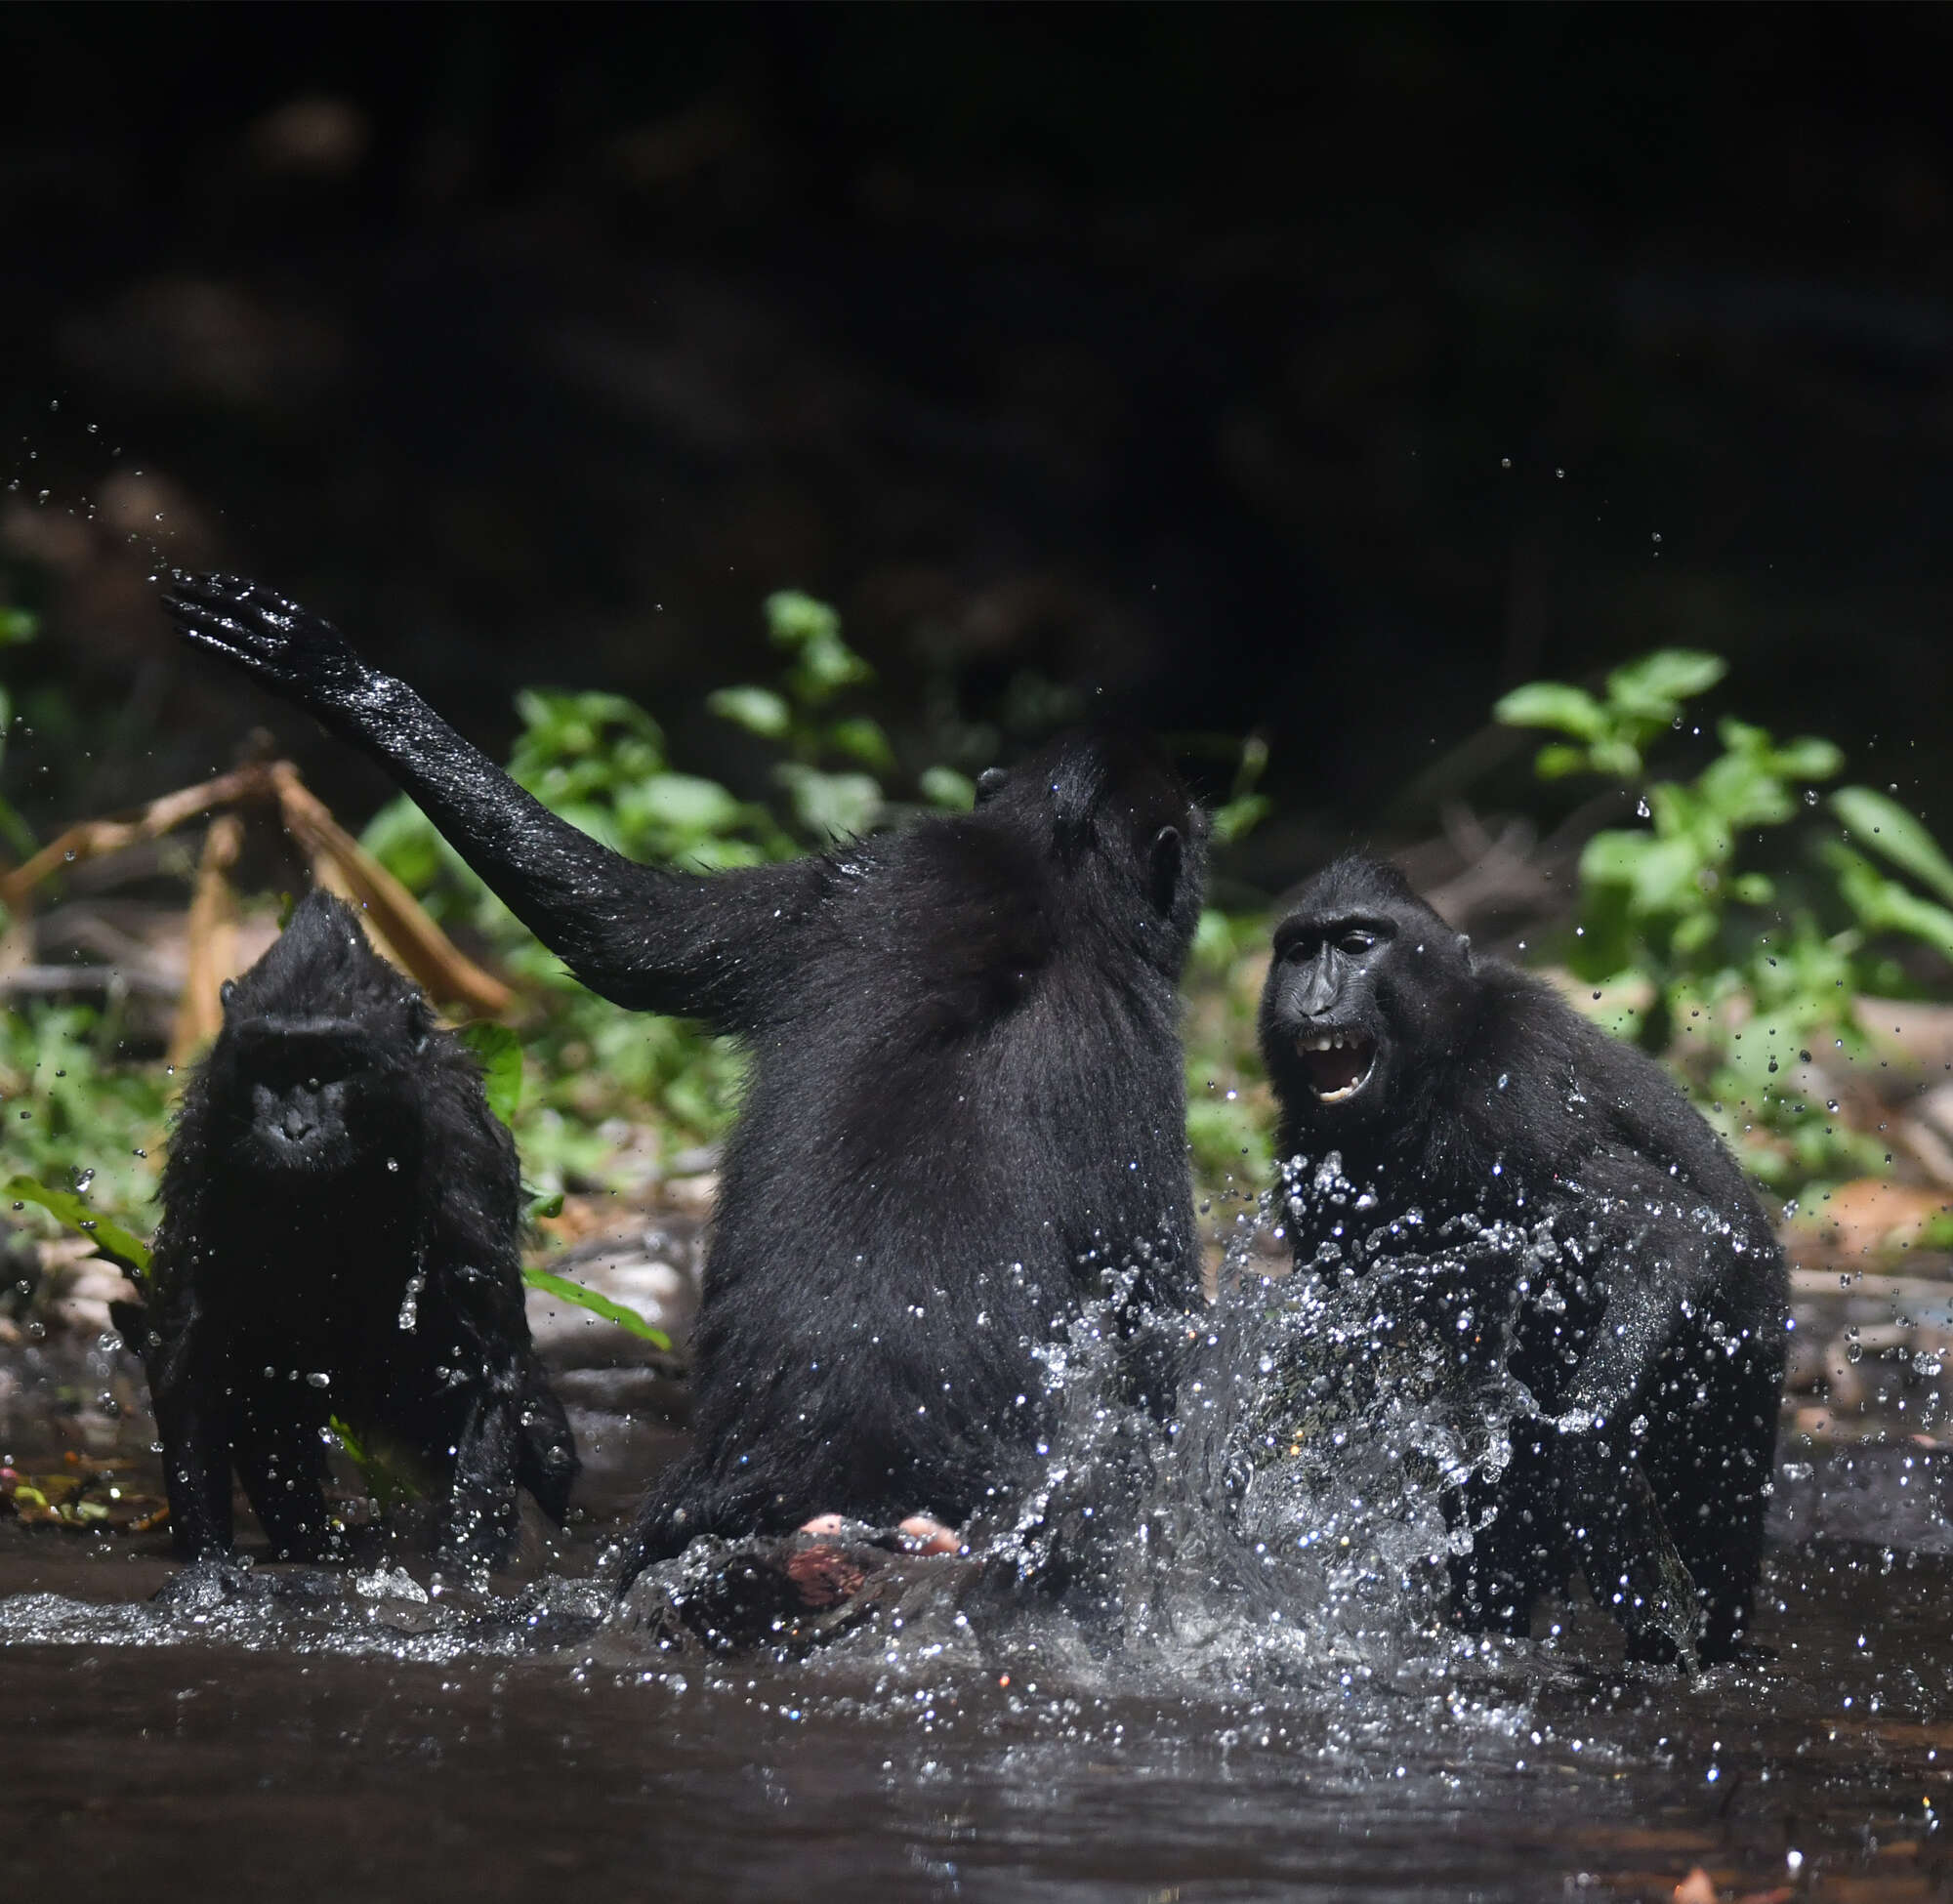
[1318, 993]
[297, 1123]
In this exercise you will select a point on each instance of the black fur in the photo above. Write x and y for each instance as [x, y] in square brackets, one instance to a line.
[966, 1108]
[340, 1203]
[1487, 1096]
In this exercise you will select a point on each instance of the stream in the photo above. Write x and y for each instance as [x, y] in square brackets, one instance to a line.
[336, 1733]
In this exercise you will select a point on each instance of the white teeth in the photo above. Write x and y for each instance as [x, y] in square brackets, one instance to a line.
[1336, 1097]
[1324, 1040]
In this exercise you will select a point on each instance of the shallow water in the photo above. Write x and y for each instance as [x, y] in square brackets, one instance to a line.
[389, 1747]
[1274, 1705]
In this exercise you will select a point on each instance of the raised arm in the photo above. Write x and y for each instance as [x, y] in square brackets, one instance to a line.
[711, 947]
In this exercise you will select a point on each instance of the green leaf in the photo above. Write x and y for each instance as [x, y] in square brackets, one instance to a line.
[1657, 681]
[1254, 763]
[1808, 759]
[1556, 762]
[683, 802]
[115, 1242]
[794, 619]
[1883, 905]
[501, 1053]
[1742, 790]
[543, 1204]
[824, 667]
[1617, 758]
[759, 709]
[392, 1476]
[16, 625]
[1613, 857]
[403, 839]
[1888, 829]
[17, 831]
[832, 805]
[1552, 704]
[1240, 817]
[1666, 880]
[944, 786]
[1753, 889]
[560, 727]
[566, 1291]
[1694, 933]
[864, 740]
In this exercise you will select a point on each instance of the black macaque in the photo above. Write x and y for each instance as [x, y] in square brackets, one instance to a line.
[1639, 1290]
[340, 1213]
[966, 1110]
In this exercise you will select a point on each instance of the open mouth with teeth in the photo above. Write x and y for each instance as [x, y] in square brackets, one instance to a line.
[1338, 1063]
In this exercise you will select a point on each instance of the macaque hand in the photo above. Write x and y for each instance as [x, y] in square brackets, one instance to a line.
[287, 648]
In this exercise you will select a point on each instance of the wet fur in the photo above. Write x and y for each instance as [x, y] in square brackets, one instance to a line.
[260, 1269]
[1588, 1134]
[966, 1105]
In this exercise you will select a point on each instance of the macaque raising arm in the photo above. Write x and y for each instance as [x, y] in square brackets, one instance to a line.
[708, 947]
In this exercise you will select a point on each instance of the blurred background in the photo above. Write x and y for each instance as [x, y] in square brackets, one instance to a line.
[1299, 382]
[1318, 371]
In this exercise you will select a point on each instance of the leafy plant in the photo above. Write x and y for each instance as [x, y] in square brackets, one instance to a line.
[120, 1246]
[576, 1294]
[16, 627]
[1229, 1106]
[828, 802]
[1739, 973]
[501, 1056]
[71, 1113]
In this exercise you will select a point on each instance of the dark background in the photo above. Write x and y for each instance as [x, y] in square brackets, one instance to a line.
[1175, 356]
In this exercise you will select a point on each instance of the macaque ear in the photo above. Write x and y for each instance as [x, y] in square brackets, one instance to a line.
[1164, 880]
[225, 990]
[990, 784]
[1465, 951]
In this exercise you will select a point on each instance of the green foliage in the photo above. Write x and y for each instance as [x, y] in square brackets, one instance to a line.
[1738, 972]
[394, 1475]
[1229, 1107]
[71, 1113]
[501, 1053]
[110, 1239]
[574, 1293]
[1643, 697]
[1244, 808]
[16, 627]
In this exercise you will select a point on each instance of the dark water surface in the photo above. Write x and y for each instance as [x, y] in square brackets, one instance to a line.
[379, 1746]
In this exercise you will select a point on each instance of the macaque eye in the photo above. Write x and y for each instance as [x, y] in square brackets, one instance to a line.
[1355, 943]
[1299, 951]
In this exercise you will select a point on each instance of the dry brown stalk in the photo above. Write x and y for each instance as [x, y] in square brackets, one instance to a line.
[399, 924]
[213, 941]
[394, 916]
